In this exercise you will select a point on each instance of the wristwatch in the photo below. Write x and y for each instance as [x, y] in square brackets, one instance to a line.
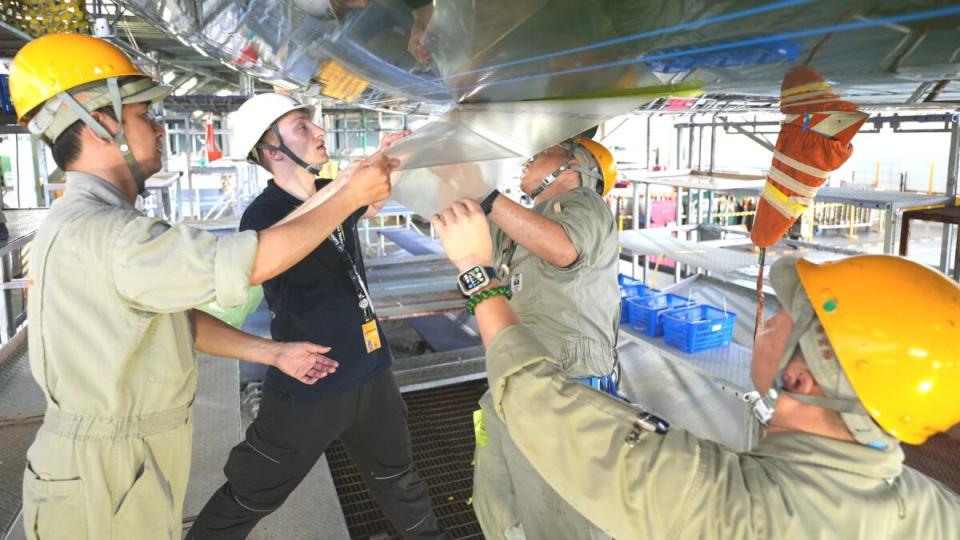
[476, 279]
[487, 204]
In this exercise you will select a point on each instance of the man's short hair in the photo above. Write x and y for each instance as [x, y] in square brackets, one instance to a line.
[261, 156]
[66, 149]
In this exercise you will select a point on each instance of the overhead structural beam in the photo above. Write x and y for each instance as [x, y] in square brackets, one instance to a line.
[904, 48]
[920, 92]
[937, 88]
[15, 31]
[192, 70]
[753, 137]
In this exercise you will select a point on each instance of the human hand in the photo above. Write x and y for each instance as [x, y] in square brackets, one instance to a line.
[391, 139]
[369, 181]
[345, 174]
[417, 46]
[464, 234]
[304, 361]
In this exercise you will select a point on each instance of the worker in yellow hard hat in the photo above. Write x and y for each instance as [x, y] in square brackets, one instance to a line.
[559, 259]
[112, 330]
[862, 355]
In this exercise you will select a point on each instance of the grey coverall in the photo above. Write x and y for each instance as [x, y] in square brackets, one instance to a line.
[576, 312]
[112, 349]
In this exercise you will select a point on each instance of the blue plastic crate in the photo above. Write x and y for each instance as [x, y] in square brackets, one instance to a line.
[646, 311]
[698, 328]
[636, 291]
[630, 287]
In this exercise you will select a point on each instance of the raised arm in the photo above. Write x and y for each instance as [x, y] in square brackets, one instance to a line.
[541, 236]
[285, 244]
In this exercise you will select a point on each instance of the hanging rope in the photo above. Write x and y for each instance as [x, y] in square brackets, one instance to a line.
[758, 324]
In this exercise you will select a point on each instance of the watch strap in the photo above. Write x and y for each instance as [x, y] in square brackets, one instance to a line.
[487, 203]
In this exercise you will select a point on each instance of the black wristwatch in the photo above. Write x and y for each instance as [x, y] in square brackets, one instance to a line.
[487, 204]
[476, 279]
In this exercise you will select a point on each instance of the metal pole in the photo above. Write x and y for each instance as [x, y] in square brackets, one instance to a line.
[649, 119]
[195, 205]
[7, 325]
[690, 146]
[39, 157]
[890, 230]
[713, 142]
[676, 264]
[951, 191]
[646, 225]
[699, 206]
[700, 149]
[635, 225]
[363, 126]
[710, 207]
[679, 129]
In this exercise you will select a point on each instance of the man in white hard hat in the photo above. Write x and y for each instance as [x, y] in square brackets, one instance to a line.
[112, 329]
[326, 298]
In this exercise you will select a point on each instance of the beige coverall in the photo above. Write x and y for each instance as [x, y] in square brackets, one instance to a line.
[576, 312]
[675, 486]
[112, 349]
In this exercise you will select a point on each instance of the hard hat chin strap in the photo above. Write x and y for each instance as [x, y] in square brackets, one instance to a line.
[583, 158]
[764, 405]
[285, 150]
[119, 139]
[549, 179]
[588, 167]
[856, 418]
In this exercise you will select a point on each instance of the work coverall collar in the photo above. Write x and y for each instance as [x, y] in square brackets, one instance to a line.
[82, 183]
[841, 455]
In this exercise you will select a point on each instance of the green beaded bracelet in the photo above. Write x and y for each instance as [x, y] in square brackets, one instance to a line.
[489, 293]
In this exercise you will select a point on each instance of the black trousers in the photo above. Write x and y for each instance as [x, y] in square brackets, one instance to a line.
[287, 439]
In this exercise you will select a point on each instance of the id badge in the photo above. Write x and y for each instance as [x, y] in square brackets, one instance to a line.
[516, 283]
[371, 337]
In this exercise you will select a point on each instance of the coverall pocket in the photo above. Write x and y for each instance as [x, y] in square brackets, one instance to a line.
[146, 509]
[53, 508]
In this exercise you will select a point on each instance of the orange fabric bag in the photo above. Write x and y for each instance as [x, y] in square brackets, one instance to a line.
[814, 140]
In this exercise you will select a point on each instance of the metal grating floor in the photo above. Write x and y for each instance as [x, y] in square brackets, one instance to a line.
[441, 426]
[938, 458]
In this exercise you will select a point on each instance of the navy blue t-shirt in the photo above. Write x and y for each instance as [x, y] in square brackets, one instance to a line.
[316, 301]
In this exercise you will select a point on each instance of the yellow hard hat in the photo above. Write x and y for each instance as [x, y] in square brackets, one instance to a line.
[895, 327]
[607, 165]
[55, 63]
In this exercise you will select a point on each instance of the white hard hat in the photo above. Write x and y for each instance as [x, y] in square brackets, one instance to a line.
[255, 117]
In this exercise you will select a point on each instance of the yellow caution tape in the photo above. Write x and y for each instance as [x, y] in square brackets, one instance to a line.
[789, 206]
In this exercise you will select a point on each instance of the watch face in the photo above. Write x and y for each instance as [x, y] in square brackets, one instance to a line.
[473, 279]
